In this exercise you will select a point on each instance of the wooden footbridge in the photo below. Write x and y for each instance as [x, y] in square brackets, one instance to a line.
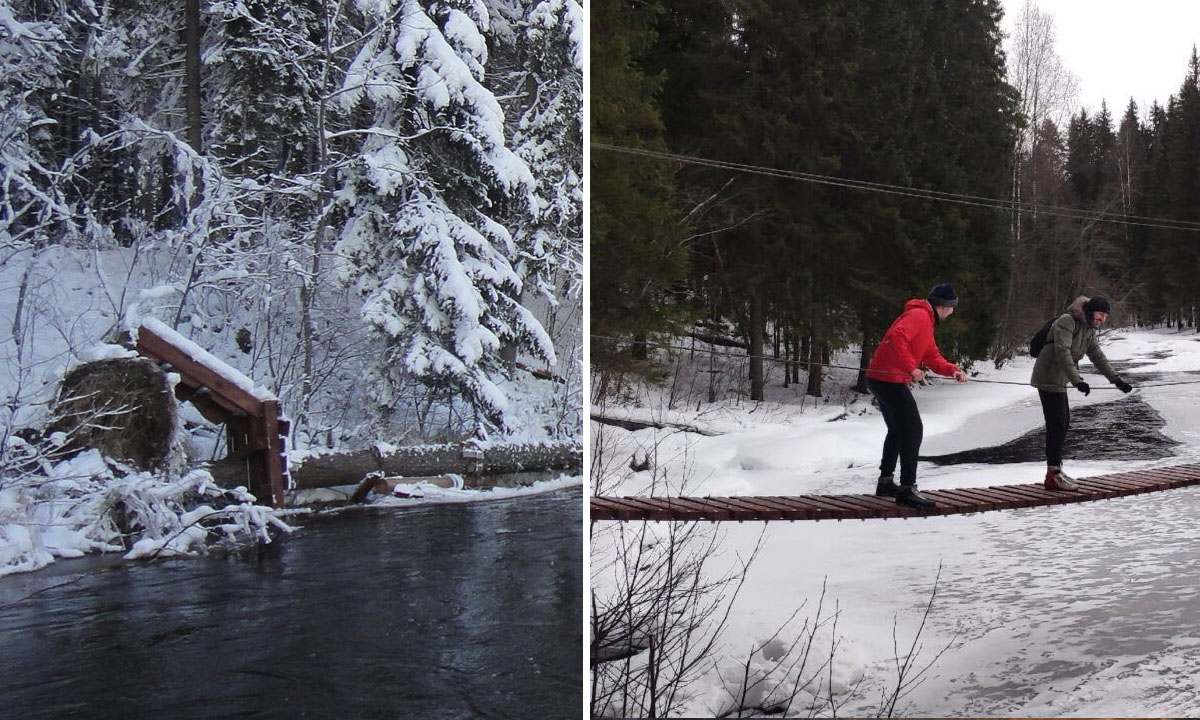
[958, 501]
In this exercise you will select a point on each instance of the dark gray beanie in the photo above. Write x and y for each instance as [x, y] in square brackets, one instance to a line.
[1096, 304]
[943, 294]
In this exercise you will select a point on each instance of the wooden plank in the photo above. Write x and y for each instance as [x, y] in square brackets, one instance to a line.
[1021, 499]
[829, 510]
[1180, 475]
[962, 502]
[657, 508]
[1038, 495]
[633, 510]
[875, 507]
[600, 508]
[1097, 491]
[683, 508]
[984, 497]
[276, 453]
[160, 349]
[1127, 481]
[949, 504]
[849, 509]
[636, 508]
[748, 510]
[707, 510]
[1114, 486]
[799, 508]
[779, 513]
[732, 512]
[985, 502]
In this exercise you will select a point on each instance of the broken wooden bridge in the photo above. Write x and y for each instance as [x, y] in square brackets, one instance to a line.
[956, 501]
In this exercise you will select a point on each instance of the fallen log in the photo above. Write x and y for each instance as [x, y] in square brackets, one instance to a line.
[627, 424]
[464, 459]
[719, 340]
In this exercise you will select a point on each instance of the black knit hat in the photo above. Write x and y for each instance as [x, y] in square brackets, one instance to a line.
[1096, 304]
[943, 294]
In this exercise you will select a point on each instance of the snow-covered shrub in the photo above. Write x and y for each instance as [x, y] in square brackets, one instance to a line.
[90, 504]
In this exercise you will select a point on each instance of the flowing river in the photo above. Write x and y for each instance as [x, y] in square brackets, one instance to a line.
[441, 611]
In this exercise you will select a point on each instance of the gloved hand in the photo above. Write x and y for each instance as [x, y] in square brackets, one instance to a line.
[1123, 386]
[1083, 387]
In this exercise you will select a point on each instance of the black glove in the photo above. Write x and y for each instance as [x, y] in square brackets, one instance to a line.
[1083, 387]
[1123, 386]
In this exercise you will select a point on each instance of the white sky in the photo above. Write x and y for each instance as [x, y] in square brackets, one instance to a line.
[1119, 49]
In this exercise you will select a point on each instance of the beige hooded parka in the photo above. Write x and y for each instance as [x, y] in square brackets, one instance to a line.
[1070, 338]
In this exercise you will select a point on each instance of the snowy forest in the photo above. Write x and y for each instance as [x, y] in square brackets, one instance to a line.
[787, 174]
[372, 208]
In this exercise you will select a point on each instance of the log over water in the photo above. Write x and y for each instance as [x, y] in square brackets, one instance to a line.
[465, 459]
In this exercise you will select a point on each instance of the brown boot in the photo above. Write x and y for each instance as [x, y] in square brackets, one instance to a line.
[1056, 479]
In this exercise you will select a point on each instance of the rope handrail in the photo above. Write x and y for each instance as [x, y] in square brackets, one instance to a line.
[747, 356]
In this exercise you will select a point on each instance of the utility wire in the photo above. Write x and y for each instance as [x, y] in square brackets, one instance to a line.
[920, 193]
[737, 356]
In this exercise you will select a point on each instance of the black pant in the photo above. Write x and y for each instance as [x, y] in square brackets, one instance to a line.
[904, 429]
[1058, 420]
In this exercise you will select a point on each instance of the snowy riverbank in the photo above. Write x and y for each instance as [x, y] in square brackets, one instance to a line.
[1070, 610]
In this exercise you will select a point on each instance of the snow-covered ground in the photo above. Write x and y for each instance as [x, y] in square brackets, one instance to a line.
[1076, 610]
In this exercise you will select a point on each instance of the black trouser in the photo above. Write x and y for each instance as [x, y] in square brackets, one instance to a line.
[1058, 419]
[904, 429]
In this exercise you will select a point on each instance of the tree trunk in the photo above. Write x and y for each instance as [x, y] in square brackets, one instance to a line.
[860, 386]
[787, 356]
[819, 348]
[191, 11]
[639, 349]
[796, 355]
[757, 331]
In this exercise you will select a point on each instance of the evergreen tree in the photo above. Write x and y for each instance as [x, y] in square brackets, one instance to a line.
[637, 253]
[423, 244]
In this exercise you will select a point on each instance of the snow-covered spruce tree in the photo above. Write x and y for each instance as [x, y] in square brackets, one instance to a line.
[539, 47]
[535, 69]
[424, 242]
[29, 196]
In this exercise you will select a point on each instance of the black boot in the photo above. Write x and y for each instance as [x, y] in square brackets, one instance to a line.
[909, 496]
[886, 487]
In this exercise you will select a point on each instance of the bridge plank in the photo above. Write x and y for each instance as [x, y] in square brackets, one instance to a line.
[981, 495]
[707, 510]
[800, 507]
[757, 510]
[951, 504]
[603, 508]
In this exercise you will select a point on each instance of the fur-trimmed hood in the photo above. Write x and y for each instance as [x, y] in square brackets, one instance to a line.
[1076, 310]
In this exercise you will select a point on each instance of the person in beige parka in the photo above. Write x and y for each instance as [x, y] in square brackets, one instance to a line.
[1071, 336]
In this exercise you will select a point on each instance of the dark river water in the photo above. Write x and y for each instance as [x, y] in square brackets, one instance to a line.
[1124, 428]
[451, 611]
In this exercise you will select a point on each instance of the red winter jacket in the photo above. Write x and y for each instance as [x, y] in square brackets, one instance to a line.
[907, 345]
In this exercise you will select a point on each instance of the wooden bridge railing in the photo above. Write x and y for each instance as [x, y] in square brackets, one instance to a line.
[256, 430]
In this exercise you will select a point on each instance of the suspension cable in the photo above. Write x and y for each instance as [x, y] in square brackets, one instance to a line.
[720, 353]
[913, 192]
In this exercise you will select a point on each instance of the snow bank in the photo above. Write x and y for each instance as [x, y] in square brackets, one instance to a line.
[88, 504]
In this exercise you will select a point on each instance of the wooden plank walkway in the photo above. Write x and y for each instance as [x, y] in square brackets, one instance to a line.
[957, 501]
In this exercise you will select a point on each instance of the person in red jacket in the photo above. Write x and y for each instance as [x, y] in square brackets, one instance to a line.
[907, 346]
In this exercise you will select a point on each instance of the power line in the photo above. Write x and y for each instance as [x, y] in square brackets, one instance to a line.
[747, 356]
[919, 193]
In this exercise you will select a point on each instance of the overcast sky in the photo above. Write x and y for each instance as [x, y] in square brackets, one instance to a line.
[1119, 49]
